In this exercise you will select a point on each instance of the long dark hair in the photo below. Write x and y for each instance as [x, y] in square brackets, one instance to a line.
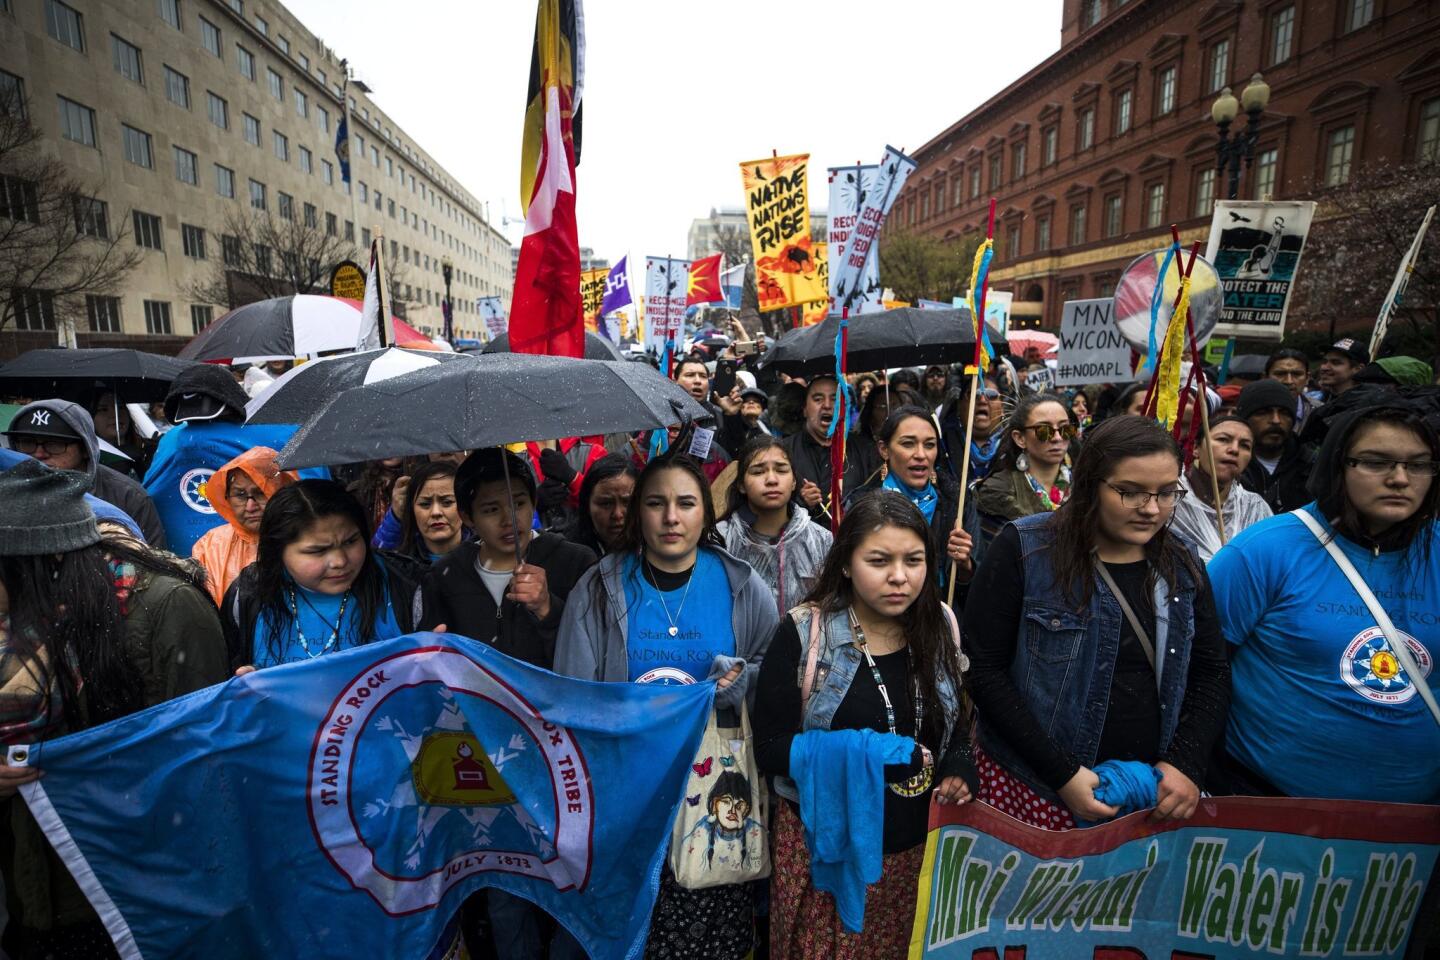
[927, 632]
[68, 630]
[1009, 449]
[286, 517]
[755, 446]
[608, 467]
[1106, 444]
[411, 542]
[1416, 530]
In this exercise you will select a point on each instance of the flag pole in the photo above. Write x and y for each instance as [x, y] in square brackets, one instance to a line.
[979, 321]
[349, 171]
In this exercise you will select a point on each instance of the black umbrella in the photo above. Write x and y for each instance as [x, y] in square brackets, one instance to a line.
[904, 337]
[278, 329]
[305, 390]
[134, 376]
[496, 399]
[596, 347]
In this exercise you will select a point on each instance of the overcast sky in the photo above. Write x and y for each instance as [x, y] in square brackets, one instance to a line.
[678, 93]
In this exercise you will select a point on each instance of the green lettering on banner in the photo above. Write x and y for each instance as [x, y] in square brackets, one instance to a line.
[1038, 886]
[1204, 859]
[950, 861]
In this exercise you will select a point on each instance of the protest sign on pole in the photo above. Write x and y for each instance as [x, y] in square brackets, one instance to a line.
[1255, 247]
[848, 274]
[1397, 287]
[777, 207]
[1244, 877]
[816, 311]
[665, 283]
[1040, 380]
[1092, 349]
[849, 188]
[492, 312]
[592, 294]
[997, 311]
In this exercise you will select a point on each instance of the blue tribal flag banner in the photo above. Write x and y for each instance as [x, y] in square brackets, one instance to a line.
[342, 148]
[184, 461]
[1246, 877]
[346, 806]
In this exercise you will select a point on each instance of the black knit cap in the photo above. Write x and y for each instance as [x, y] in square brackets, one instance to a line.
[204, 392]
[1262, 395]
[43, 511]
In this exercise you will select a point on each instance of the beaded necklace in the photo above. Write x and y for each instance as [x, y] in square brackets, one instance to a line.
[334, 631]
[920, 782]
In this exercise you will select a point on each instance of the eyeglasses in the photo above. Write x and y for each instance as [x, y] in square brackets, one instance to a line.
[1380, 467]
[1139, 499]
[240, 499]
[52, 447]
[990, 394]
[1045, 431]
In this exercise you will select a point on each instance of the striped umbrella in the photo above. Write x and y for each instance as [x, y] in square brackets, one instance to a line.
[278, 329]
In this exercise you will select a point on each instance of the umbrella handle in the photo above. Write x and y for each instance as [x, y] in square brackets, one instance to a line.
[510, 499]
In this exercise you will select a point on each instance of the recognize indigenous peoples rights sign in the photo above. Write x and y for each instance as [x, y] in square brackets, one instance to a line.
[1245, 877]
[1092, 349]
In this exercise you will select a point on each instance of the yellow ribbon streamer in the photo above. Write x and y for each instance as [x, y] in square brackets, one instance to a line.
[1167, 403]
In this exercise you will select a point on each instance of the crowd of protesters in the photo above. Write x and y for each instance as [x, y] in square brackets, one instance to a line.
[1115, 598]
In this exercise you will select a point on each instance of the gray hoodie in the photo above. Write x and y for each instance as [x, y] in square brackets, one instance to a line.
[109, 485]
[591, 645]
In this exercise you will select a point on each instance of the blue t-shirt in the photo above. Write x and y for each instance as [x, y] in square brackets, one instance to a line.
[1319, 706]
[317, 616]
[703, 626]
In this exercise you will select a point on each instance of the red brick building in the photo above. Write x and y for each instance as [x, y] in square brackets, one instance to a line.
[1097, 150]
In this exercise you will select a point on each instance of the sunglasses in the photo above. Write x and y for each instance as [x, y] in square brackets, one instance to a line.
[1045, 431]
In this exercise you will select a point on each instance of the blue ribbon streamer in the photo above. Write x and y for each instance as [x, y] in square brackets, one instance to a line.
[842, 387]
[1157, 296]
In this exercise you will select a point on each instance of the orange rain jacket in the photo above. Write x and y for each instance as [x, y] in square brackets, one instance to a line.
[225, 551]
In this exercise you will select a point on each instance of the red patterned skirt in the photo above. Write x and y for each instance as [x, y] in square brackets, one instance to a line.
[1011, 796]
[803, 922]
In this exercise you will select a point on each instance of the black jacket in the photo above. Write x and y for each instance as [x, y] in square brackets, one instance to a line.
[1284, 490]
[240, 609]
[114, 487]
[452, 593]
[810, 461]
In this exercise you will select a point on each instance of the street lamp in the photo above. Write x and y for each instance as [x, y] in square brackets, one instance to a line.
[1231, 150]
[447, 270]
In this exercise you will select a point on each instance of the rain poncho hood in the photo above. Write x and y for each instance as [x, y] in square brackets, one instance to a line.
[226, 550]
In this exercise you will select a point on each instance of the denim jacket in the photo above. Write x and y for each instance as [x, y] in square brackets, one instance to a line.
[1065, 658]
[835, 666]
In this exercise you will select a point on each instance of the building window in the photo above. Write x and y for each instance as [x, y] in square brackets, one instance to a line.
[262, 25]
[924, 206]
[148, 231]
[92, 218]
[1358, 13]
[305, 65]
[1113, 219]
[379, 201]
[283, 44]
[312, 217]
[281, 145]
[322, 118]
[1124, 104]
[1165, 92]
[137, 146]
[170, 13]
[1339, 149]
[217, 109]
[331, 226]
[262, 259]
[246, 61]
[19, 200]
[390, 207]
[1089, 13]
[187, 167]
[1012, 241]
[1282, 35]
[77, 122]
[1077, 224]
[327, 171]
[1017, 161]
[62, 22]
[364, 192]
[230, 250]
[157, 317]
[1219, 72]
[1049, 145]
[210, 36]
[277, 85]
[1205, 193]
[1154, 204]
[375, 156]
[12, 95]
[390, 168]
[33, 309]
[1042, 233]
[1085, 136]
[974, 181]
[995, 171]
[939, 204]
[177, 88]
[302, 103]
[286, 206]
[103, 313]
[959, 183]
[307, 162]
[192, 241]
[127, 59]
[257, 194]
[252, 129]
[1428, 142]
[200, 317]
[224, 182]
[1266, 164]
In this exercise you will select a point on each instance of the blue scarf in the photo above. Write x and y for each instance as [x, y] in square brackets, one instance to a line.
[981, 455]
[925, 499]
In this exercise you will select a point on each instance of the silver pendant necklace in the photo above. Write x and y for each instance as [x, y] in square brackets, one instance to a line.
[674, 630]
